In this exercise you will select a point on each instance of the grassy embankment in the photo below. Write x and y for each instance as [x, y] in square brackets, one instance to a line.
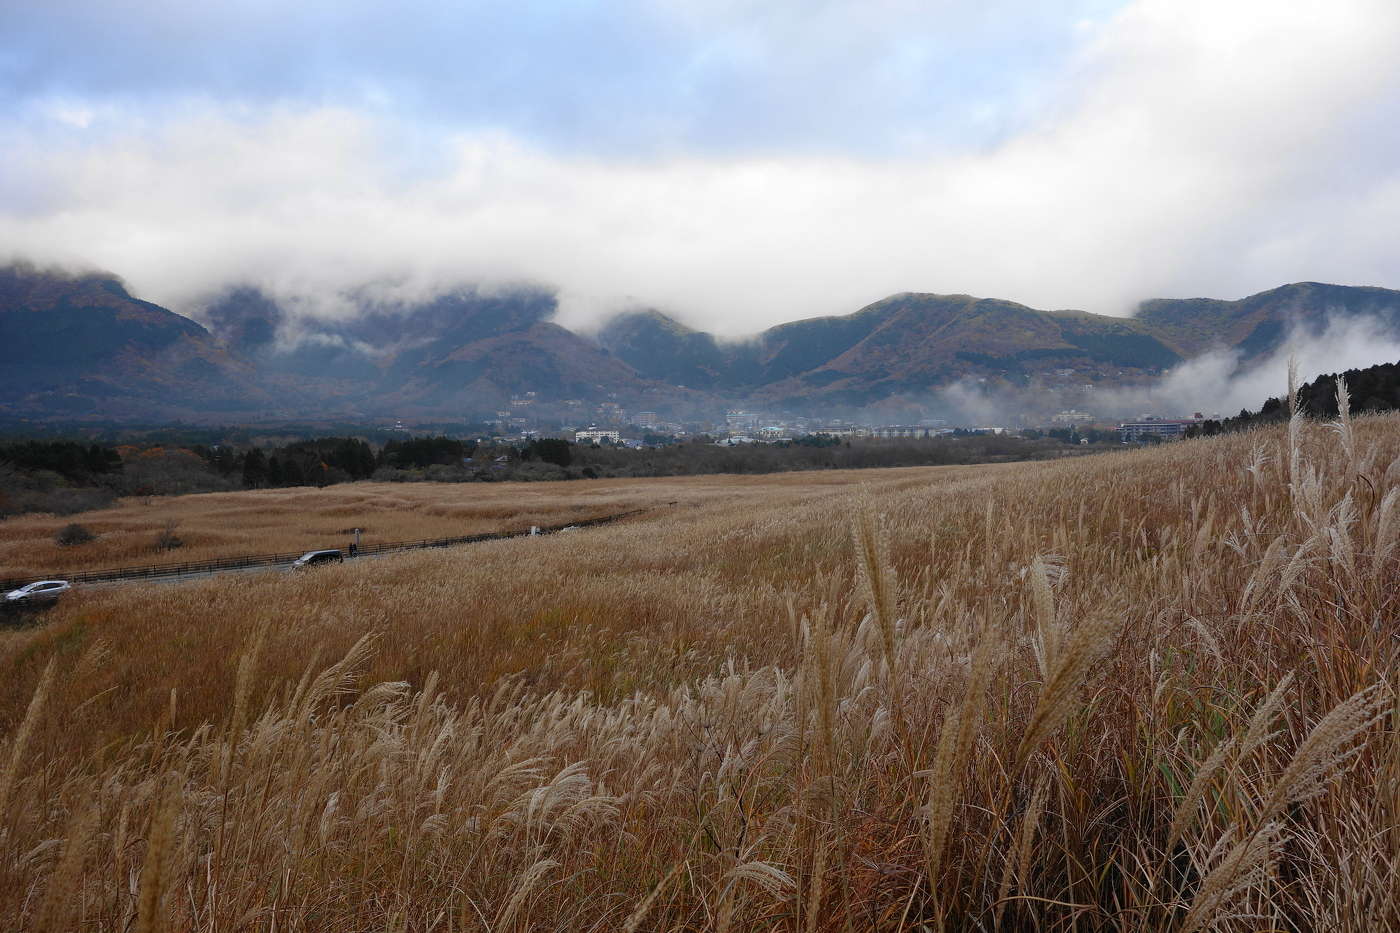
[1151, 690]
[263, 521]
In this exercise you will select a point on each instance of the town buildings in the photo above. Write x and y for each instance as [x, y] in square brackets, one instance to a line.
[1150, 426]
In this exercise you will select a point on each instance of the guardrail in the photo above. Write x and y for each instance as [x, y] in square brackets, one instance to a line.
[191, 568]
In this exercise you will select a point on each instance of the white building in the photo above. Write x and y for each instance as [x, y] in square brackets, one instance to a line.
[904, 430]
[1072, 416]
[594, 435]
[1166, 429]
[741, 420]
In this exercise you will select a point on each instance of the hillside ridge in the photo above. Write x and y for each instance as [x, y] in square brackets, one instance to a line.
[82, 345]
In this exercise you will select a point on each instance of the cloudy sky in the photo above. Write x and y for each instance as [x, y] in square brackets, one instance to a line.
[736, 163]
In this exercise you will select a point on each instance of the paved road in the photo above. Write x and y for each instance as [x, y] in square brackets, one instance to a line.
[283, 567]
[265, 568]
[20, 614]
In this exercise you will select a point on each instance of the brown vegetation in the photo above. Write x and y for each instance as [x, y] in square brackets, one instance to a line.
[1152, 690]
[263, 521]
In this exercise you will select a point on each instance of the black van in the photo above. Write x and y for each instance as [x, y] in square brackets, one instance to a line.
[317, 558]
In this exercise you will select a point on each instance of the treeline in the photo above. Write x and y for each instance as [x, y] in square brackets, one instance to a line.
[57, 476]
[320, 462]
[64, 477]
[326, 461]
[71, 460]
[1074, 434]
[1373, 389]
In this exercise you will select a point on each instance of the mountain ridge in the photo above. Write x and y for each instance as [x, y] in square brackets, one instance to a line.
[83, 345]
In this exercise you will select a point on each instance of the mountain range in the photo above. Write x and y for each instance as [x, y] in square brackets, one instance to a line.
[81, 346]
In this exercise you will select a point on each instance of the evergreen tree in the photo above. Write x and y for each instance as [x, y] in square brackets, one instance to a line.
[552, 450]
[254, 468]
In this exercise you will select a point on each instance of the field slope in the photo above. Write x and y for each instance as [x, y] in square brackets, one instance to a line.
[295, 519]
[1145, 691]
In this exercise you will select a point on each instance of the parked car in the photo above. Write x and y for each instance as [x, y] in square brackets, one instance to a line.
[41, 591]
[317, 558]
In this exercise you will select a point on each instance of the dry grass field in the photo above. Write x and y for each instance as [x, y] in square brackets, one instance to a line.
[263, 521]
[1152, 690]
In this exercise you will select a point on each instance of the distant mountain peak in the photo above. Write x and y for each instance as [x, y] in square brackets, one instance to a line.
[1258, 324]
[79, 343]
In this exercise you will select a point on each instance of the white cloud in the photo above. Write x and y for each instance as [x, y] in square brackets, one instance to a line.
[1191, 148]
[1216, 383]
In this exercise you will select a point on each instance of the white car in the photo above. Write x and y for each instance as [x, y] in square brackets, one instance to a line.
[38, 592]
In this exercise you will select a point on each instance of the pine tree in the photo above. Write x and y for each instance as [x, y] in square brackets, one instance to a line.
[254, 468]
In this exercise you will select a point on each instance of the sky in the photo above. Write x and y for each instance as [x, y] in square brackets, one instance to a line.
[736, 164]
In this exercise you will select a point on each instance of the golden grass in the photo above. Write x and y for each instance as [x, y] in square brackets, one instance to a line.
[265, 521]
[1145, 691]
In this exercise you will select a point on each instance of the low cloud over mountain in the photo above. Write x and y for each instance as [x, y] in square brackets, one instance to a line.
[737, 165]
[82, 346]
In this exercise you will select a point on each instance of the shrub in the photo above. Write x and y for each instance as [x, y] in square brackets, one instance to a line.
[167, 540]
[537, 470]
[443, 473]
[73, 534]
[72, 501]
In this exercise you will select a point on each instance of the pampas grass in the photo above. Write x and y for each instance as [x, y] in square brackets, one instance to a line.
[1066, 669]
[1242, 868]
[155, 872]
[1329, 748]
[20, 740]
[1152, 690]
